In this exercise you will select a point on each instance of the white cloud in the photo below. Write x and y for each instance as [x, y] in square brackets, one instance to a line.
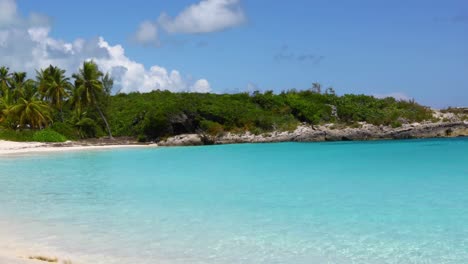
[201, 86]
[25, 45]
[147, 34]
[204, 17]
[7, 11]
[130, 74]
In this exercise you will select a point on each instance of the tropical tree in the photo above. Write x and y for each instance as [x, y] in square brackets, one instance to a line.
[330, 90]
[104, 97]
[107, 83]
[86, 126]
[5, 79]
[32, 112]
[54, 86]
[3, 109]
[74, 100]
[89, 86]
[316, 87]
[29, 90]
[20, 86]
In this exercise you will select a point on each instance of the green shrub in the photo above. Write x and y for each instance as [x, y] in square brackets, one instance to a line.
[65, 129]
[16, 135]
[141, 138]
[48, 135]
[212, 128]
[396, 124]
[455, 110]
[256, 131]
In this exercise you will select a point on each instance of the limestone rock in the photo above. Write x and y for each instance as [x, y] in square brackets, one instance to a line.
[307, 133]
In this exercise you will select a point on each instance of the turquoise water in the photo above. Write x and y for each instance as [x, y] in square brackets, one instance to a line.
[298, 203]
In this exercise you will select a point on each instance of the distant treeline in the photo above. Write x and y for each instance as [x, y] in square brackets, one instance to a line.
[54, 107]
[158, 114]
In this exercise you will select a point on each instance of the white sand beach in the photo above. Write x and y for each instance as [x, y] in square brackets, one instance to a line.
[14, 252]
[10, 147]
[14, 257]
[19, 254]
[10, 260]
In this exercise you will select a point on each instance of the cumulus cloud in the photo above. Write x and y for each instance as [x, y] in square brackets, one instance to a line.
[129, 74]
[201, 86]
[204, 17]
[147, 34]
[7, 11]
[26, 45]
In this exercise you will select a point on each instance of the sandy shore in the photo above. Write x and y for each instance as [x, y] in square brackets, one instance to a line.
[11, 148]
[13, 252]
[8, 260]
[12, 257]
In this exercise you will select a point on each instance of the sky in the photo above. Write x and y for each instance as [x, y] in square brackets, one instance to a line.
[409, 49]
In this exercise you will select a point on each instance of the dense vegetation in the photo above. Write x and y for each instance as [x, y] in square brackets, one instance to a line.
[51, 108]
[54, 107]
[161, 113]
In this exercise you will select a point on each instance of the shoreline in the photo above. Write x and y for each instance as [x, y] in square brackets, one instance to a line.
[327, 132]
[12, 251]
[303, 133]
[13, 148]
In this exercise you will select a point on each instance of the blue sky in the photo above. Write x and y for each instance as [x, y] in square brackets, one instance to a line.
[416, 49]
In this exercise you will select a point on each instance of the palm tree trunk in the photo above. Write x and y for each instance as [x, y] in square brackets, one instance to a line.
[61, 114]
[102, 116]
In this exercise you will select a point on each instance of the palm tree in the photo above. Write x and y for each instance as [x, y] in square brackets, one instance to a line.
[88, 85]
[5, 79]
[29, 90]
[41, 79]
[54, 86]
[86, 126]
[20, 86]
[74, 101]
[32, 112]
[107, 83]
[3, 108]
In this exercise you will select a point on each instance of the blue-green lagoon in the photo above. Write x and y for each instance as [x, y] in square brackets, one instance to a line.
[300, 203]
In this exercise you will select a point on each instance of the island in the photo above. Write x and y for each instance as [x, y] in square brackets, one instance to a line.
[54, 107]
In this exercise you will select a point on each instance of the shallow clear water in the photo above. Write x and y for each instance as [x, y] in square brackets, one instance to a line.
[299, 203]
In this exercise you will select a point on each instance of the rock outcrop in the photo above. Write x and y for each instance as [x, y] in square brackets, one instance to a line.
[183, 140]
[329, 132]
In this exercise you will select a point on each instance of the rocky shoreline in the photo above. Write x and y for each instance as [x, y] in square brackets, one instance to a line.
[328, 132]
